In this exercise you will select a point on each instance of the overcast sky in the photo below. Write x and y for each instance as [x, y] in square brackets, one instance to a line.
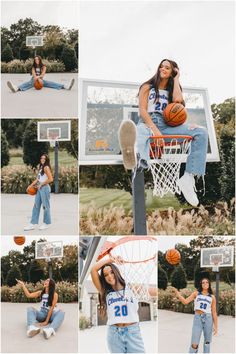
[46, 12]
[126, 40]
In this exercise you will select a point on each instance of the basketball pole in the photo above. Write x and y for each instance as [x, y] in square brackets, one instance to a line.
[217, 291]
[56, 178]
[50, 268]
[139, 207]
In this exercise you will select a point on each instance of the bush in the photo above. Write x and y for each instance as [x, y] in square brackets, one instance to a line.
[5, 156]
[84, 322]
[162, 278]
[4, 68]
[13, 274]
[67, 292]
[7, 54]
[69, 58]
[16, 66]
[178, 277]
[16, 179]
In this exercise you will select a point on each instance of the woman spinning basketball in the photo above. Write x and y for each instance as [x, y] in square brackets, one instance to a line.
[205, 317]
[154, 95]
[117, 300]
[41, 183]
[47, 317]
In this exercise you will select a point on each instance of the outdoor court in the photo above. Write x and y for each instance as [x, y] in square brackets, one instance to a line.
[178, 327]
[93, 340]
[14, 328]
[17, 208]
[46, 103]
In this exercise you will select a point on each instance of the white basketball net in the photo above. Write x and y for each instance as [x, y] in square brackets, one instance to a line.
[139, 262]
[165, 171]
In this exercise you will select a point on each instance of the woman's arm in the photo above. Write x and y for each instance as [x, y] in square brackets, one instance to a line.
[143, 104]
[214, 315]
[54, 302]
[95, 275]
[184, 300]
[49, 176]
[26, 291]
[34, 74]
[43, 72]
[177, 93]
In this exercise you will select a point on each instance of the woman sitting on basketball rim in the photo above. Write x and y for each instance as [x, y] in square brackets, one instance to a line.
[38, 71]
[154, 95]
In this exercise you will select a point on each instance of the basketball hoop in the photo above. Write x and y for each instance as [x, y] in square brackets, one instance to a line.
[169, 151]
[136, 258]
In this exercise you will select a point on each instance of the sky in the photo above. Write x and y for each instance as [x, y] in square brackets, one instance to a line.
[46, 12]
[126, 40]
[8, 244]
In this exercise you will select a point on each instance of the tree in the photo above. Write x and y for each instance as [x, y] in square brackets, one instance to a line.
[53, 40]
[199, 274]
[14, 130]
[13, 274]
[7, 54]
[36, 272]
[72, 145]
[5, 156]
[69, 58]
[25, 52]
[32, 149]
[179, 278]
[162, 278]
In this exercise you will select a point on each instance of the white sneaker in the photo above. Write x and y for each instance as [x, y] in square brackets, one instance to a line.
[69, 86]
[187, 186]
[127, 139]
[48, 331]
[32, 331]
[29, 227]
[44, 226]
[12, 87]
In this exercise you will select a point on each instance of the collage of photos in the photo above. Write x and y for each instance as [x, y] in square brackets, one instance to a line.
[117, 176]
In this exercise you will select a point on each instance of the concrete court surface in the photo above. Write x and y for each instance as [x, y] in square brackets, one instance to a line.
[17, 209]
[175, 329]
[13, 331]
[45, 103]
[93, 340]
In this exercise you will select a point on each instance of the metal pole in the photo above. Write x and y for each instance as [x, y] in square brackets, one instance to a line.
[139, 208]
[50, 269]
[217, 291]
[56, 178]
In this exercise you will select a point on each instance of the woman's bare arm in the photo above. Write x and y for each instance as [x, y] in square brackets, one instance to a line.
[49, 176]
[177, 93]
[33, 295]
[214, 315]
[184, 300]
[43, 72]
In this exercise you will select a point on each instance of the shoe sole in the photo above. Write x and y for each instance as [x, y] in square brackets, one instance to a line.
[127, 139]
[33, 333]
[29, 229]
[44, 228]
[9, 84]
[179, 184]
[71, 84]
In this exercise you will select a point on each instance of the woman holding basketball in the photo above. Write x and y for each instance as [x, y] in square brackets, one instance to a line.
[154, 95]
[47, 317]
[38, 72]
[117, 300]
[205, 318]
[41, 184]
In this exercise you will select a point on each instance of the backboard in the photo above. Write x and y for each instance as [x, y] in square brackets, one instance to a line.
[34, 41]
[217, 257]
[54, 130]
[46, 250]
[104, 104]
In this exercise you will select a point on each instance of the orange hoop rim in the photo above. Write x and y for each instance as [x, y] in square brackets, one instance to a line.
[188, 137]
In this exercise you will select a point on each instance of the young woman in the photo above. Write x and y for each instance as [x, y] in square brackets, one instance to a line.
[117, 300]
[47, 316]
[38, 71]
[154, 95]
[41, 183]
[205, 318]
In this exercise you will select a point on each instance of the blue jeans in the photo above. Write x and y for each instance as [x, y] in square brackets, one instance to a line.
[42, 198]
[196, 160]
[34, 316]
[125, 339]
[29, 84]
[201, 323]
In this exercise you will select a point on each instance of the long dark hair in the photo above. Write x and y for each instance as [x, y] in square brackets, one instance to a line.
[200, 286]
[156, 79]
[107, 287]
[46, 163]
[40, 62]
[51, 291]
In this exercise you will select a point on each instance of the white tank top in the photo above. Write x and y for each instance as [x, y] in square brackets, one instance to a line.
[162, 102]
[42, 178]
[122, 307]
[44, 302]
[203, 303]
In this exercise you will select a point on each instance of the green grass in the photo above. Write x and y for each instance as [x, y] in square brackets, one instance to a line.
[65, 159]
[105, 197]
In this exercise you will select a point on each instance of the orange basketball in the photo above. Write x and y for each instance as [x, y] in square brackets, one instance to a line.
[19, 240]
[175, 114]
[31, 190]
[173, 256]
[38, 84]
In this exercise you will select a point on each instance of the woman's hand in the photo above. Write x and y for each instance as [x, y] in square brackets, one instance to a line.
[20, 282]
[174, 290]
[41, 324]
[215, 330]
[177, 73]
[155, 130]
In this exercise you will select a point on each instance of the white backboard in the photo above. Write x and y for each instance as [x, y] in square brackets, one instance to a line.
[34, 41]
[54, 130]
[45, 250]
[104, 104]
[224, 255]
